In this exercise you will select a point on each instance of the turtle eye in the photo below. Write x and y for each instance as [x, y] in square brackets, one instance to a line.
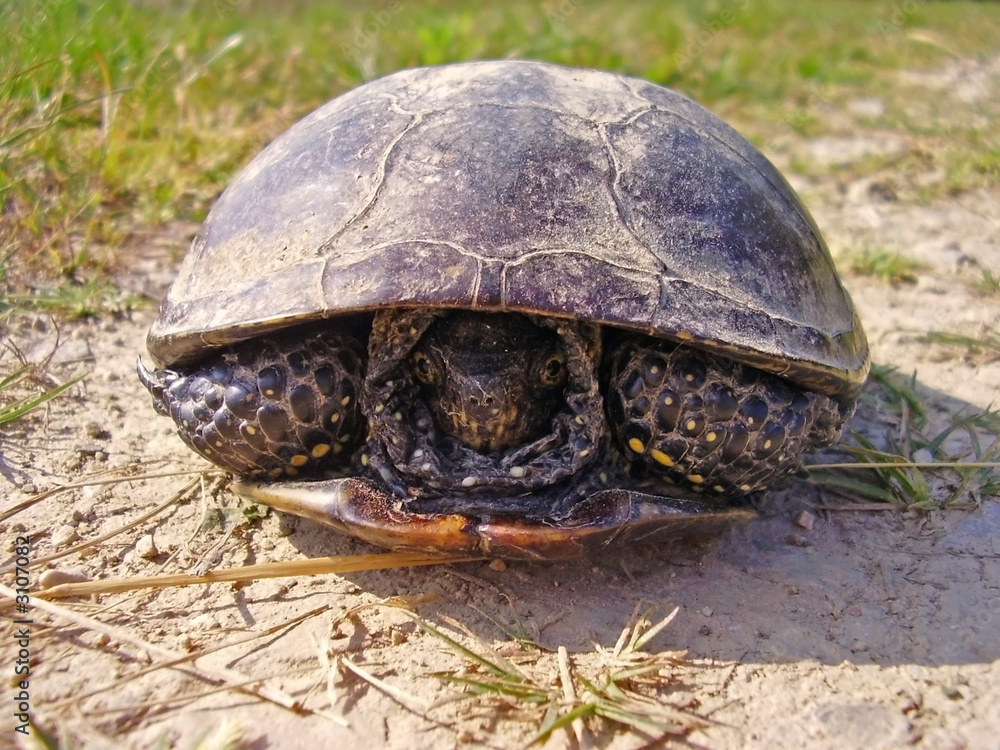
[553, 372]
[423, 368]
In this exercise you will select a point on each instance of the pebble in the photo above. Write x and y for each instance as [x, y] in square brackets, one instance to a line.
[97, 432]
[203, 622]
[55, 577]
[866, 106]
[146, 547]
[498, 565]
[72, 350]
[804, 519]
[706, 611]
[64, 535]
[952, 693]
[868, 725]
[923, 456]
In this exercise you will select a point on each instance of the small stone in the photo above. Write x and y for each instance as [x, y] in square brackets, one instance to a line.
[923, 456]
[952, 693]
[706, 611]
[286, 524]
[88, 450]
[498, 565]
[64, 535]
[55, 577]
[146, 547]
[866, 106]
[95, 431]
[797, 540]
[203, 622]
[804, 519]
[858, 646]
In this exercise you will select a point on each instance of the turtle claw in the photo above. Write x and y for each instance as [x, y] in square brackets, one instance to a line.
[154, 385]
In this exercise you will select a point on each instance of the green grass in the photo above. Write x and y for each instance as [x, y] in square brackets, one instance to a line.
[886, 265]
[20, 392]
[982, 349]
[988, 284]
[913, 468]
[117, 117]
[626, 693]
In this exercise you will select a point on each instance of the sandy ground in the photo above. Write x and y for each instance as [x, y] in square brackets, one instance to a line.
[874, 629]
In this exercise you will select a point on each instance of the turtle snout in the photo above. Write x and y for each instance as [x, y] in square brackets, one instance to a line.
[484, 413]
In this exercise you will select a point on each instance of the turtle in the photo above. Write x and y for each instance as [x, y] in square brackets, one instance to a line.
[508, 308]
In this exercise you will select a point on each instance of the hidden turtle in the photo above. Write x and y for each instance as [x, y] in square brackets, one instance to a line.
[508, 308]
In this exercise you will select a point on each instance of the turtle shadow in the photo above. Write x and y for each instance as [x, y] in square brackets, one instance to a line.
[882, 587]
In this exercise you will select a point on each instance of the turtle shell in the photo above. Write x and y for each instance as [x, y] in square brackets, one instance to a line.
[521, 186]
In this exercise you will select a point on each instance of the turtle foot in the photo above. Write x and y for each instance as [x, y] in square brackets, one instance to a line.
[605, 519]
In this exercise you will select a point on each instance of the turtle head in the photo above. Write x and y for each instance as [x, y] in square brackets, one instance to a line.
[491, 381]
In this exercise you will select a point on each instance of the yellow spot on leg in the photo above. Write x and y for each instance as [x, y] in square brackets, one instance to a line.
[661, 457]
[636, 445]
[298, 460]
[710, 437]
[691, 424]
[320, 450]
[695, 478]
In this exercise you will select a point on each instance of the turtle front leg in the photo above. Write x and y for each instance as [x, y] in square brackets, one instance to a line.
[269, 408]
[708, 422]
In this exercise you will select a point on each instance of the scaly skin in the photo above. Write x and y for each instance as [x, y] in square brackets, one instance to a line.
[708, 422]
[272, 408]
[302, 406]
